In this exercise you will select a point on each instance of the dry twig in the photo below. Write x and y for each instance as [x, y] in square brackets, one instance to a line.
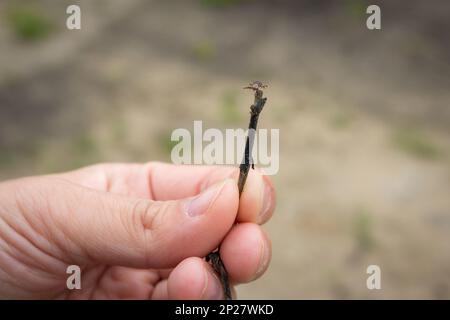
[244, 168]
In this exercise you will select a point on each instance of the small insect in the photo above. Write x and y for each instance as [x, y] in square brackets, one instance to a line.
[256, 85]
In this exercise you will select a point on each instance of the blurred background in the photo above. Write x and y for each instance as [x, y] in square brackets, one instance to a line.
[364, 119]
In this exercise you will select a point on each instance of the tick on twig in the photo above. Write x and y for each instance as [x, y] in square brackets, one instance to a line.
[255, 109]
[256, 85]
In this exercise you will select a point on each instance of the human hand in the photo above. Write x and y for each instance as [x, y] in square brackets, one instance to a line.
[136, 231]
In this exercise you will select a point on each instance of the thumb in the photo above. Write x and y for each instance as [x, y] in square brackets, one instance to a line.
[101, 227]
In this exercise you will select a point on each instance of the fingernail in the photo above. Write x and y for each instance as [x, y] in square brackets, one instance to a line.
[267, 201]
[200, 204]
[213, 288]
[264, 257]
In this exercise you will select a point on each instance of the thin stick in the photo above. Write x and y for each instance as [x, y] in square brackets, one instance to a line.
[244, 168]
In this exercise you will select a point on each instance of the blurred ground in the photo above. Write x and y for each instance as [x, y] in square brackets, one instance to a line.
[364, 119]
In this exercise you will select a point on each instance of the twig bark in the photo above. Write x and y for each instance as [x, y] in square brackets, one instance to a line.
[244, 168]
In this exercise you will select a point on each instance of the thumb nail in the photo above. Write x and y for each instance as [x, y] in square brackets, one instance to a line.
[213, 288]
[201, 203]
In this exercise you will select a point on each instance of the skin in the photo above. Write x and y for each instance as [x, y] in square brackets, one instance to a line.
[134, 230]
